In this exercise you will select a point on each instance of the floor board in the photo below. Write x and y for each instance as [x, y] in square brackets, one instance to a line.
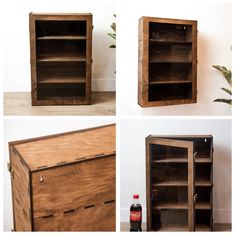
[19, 103]
[217, 227]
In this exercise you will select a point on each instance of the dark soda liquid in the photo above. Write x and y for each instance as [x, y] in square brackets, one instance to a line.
[136, 224]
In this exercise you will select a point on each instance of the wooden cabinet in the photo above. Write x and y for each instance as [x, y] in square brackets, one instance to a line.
[61, 58]
[64, 182]
[179, 183]
[167, 62]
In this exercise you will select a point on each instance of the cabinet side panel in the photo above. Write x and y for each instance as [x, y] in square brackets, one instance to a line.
[143, 62]
[32, 33]
[194, 60]
[76, 197]
[148, 189]
[89, 59]
[20, 193]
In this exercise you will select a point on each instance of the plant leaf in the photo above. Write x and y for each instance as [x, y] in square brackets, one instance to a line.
[227, 101]
[226, 90]
[113, 26]
[113, 35]
[226, 73]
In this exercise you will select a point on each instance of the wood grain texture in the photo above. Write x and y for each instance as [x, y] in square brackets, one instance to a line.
[20, 192]
[68, 148]
[77, 195]
[75, 191]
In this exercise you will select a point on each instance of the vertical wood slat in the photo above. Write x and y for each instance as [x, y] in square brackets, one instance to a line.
[191, 180]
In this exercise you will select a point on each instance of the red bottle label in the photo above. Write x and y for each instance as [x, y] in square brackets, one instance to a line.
[135, 215]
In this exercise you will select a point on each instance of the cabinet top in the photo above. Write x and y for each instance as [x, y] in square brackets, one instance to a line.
[167, 20]
[58, 14]
[54, 150]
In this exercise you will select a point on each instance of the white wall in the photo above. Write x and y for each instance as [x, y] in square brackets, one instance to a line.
[132, 162]
[18, 129]
[16, 39]
[214, 47]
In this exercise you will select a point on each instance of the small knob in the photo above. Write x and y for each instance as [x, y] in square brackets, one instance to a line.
[41, 178]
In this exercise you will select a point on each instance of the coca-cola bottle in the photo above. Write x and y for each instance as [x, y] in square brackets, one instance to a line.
[136, 215]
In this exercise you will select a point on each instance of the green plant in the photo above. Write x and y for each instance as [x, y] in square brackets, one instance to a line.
[113, 34]
[228, 76]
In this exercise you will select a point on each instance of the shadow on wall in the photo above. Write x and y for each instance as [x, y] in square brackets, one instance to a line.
[222, 183]
[103, 67]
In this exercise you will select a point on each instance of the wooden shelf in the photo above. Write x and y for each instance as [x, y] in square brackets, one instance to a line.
[151, 40]
[203, 160]
[182, 206]
[170, 82]
[178, 228]
[204, 183]
[202, 228]
[171, 205]
[62, 58]
[169, 61]
[171, 160]
[62, 79]
[62, 37]
[180, 183]
[172, 227]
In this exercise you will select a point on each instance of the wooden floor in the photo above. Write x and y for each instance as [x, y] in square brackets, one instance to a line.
[217, 227]
[19, 103]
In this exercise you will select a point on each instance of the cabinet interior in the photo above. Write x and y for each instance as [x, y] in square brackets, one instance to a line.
[169, 184]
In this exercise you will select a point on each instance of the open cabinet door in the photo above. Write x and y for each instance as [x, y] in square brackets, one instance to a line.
[170, 184]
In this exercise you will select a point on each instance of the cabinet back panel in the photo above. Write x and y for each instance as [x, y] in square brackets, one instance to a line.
[171, 53]
[170, 92]
[56, 28]
[203, 194]
[203, 172]
[61, 71]
[170, 72]
[165, 31]
[159, 152]
[61, 48]
[169, 195]
[61, 91]
[170, 218]
[170, 172]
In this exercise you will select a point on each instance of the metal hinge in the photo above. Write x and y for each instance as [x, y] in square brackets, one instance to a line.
[195, 155]
[9, 168]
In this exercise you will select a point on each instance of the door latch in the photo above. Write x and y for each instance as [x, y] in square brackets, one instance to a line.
[195, 197]
[9, 168]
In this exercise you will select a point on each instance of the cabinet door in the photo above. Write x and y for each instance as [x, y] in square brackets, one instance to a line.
[170, 184]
